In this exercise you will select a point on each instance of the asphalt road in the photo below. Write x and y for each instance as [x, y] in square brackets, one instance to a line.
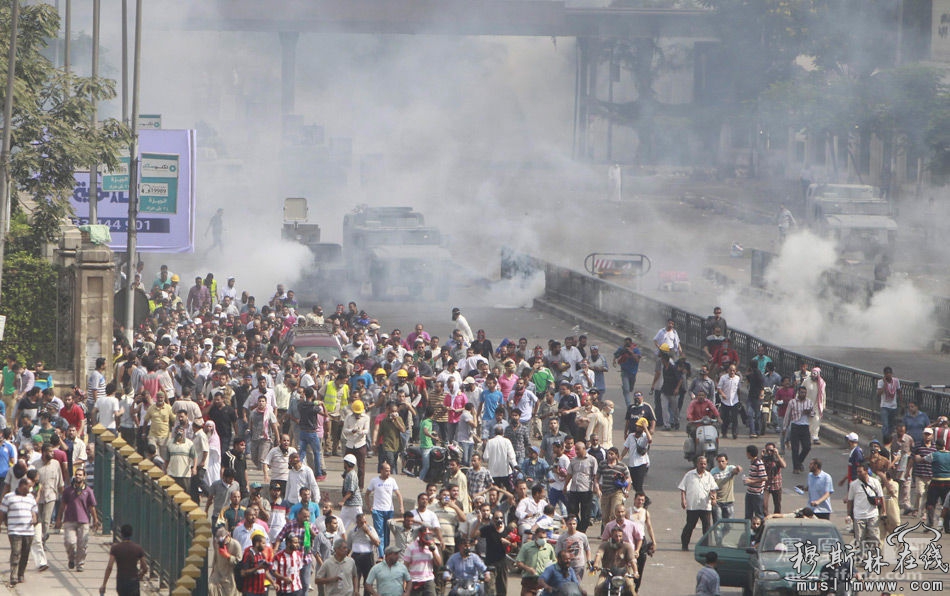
[671, 571]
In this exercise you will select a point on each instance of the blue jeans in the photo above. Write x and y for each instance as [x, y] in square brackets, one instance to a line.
[754, 418]
[312, 440]
[723, 511]
[627, 382]
[425, 464]
[379, 524]
[467, 449]
[888, 420]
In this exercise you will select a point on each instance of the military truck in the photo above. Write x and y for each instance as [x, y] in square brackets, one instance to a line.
[387, 252]
[392, 253]
[854, 215]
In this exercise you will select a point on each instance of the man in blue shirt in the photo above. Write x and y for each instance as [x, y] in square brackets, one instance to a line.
[916, 421]
[491, 398]
[466, 566]
[7, 453]
[820, 489]
[628, 357]
[559, 574]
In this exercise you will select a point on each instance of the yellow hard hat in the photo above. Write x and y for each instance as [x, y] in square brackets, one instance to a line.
[402, 373]
[175, 278]
[220, 362]
[664, 347]
[358, 407]
[380, 371]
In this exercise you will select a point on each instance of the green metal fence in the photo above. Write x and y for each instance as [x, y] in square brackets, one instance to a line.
[168, 524]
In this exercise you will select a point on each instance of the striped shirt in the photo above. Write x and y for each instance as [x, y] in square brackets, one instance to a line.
[757, 472]
[796, 412]
[418, 559]
[923, 469]
[254, 581]
[289, 565]
[19, 510]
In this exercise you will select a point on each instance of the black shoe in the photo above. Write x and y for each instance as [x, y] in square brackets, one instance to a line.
[685, 548]
[72, 564]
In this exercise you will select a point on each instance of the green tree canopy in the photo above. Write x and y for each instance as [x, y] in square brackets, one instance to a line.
[52, 134]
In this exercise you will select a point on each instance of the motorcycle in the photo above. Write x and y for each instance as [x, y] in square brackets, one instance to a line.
[439, 458]
[464, 587]
[617, 582]
[766, 409]
[704, 439]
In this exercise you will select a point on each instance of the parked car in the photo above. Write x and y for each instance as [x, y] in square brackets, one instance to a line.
[316, 339]
[768, 568]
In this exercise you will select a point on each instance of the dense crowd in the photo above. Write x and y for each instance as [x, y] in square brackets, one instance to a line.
[514, 444]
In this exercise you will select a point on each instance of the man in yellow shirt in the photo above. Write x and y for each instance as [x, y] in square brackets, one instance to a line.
[160, 416]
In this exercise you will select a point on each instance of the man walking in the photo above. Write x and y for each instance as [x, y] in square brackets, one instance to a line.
[865, 503]
[131, 565]
[389, 577]
[820, 488]
[755, 484]
[19, 511]
[795, 428]
[582, 486]
[77, 511]
[380, 492]
[697, 498]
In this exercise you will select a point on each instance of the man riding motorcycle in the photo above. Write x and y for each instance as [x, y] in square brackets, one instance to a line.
[699, 408]
[620, 558]
[465, 567]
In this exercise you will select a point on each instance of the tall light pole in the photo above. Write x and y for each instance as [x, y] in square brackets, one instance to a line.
[131, 233]
[67, 33]
[7, 130]
[94, 167]
[125, 61]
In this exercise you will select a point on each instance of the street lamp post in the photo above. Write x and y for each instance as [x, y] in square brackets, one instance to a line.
[131, 233]
[7, 130]
[94, 167]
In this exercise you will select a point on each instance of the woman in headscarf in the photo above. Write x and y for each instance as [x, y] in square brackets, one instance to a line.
[213, 467]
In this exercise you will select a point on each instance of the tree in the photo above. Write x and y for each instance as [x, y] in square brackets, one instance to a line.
[52, 134]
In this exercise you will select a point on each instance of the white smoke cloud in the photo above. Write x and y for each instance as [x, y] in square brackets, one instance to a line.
[801, 309]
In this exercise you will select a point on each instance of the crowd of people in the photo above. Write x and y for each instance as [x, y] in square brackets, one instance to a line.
[213, 390]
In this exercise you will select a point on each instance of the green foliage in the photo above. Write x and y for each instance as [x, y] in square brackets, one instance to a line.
[53, 134]
[30, 290]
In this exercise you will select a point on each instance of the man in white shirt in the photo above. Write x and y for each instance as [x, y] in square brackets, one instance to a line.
[670, 337]
[107, 408]
[865, 502]
[697, 496]
[728, 390]
[530, 509]
[462, 325]
[499, 456]
[300, 475]
[382, 489]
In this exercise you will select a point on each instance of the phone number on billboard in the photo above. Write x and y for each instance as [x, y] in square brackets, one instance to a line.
[149, 225]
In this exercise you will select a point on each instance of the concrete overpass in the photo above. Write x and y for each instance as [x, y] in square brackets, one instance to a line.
[520, 18]
[433, 17]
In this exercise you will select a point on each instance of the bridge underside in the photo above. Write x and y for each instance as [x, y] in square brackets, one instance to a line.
[436, 17]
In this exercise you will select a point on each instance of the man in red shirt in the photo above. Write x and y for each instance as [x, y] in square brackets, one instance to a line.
[255, 567]
[74, 415]
[701, 407]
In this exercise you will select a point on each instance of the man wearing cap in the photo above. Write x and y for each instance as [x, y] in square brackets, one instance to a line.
[355, 434]
[389, 577]
[855, 457]
[352, 502]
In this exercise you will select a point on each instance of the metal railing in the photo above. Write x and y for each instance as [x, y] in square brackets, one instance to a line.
[850, 391]
[171, 528]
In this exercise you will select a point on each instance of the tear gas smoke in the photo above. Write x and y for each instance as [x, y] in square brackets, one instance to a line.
[802, 309]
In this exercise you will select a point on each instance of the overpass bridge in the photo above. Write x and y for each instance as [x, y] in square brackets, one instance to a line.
[520, 18]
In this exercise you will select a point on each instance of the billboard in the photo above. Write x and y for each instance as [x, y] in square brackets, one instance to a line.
[169, 223]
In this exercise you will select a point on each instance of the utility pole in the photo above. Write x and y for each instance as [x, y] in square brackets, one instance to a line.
[67, 33]
[131, 234]
[7, 130]
[94, 167]
[125, 61]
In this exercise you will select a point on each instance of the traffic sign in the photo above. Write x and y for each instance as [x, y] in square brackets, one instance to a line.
[150, 121]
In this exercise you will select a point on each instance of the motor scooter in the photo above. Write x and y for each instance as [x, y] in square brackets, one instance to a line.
[704, 439]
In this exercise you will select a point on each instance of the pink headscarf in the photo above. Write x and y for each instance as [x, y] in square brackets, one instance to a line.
[820, 396]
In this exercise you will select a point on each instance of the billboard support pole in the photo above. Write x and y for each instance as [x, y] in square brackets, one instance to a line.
[131, 233]
[94, 167]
